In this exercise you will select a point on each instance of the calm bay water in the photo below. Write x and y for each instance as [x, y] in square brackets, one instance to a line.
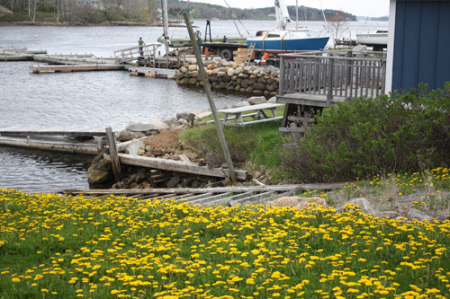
[93, 100]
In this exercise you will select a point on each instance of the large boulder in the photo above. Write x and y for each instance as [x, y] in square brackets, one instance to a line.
[299, 202]
[126, 135]
[363, 203]
[135, 126]
[134, 147]
[100, 171]
[417, 214]
[257, 100]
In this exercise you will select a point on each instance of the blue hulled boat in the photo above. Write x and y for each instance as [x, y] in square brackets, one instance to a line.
[283, 39]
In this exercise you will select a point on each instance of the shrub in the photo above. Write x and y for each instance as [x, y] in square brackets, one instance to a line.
[362, 137]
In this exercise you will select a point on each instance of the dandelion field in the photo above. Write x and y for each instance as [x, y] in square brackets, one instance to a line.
[53, 246]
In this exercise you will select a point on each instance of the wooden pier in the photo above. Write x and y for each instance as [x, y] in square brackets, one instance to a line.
[16, 57]
[39, 69]
[84, 142]
[153, 72]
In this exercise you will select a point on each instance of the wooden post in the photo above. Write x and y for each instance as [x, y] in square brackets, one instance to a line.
[218, 123]
[282, 76]
[330, 81]
[113, 153]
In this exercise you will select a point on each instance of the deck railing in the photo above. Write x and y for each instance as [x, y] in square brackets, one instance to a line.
[334, 74]
[146, 51]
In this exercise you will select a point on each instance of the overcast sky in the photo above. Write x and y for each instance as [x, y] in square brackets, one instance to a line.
[371, 8]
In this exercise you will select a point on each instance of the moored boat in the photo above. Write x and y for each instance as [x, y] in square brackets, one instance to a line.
[375, 39]
[283, 39]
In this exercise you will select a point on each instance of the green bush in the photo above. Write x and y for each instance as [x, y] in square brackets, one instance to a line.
[362, 137]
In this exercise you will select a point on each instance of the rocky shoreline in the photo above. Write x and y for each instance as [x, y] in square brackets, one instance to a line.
[402, 211]
[159, 139]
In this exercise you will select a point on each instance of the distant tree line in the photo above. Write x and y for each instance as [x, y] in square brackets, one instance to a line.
[141, 11]
[84, 11]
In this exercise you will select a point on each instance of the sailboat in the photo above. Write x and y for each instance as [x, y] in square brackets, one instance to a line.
[282, 39]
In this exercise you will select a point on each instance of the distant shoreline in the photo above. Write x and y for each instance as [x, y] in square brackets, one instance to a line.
[125, 24]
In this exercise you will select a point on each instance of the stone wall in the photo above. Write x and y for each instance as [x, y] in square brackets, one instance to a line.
[230, 76]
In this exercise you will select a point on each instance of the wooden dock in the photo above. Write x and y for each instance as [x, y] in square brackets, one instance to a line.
[153, 72]
[16, 57]
[84, 142]
[75, 68]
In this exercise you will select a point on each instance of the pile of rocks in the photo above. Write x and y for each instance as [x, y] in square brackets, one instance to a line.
[145, 178]
[230, 76]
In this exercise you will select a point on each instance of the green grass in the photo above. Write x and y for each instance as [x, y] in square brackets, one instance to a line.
[75, 247]
[257, 145]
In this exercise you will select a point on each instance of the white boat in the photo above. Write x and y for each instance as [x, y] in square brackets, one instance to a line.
[283, 39]
[375, 39]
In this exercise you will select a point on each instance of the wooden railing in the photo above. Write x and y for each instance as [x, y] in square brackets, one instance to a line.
[334, 74]
[146, 51]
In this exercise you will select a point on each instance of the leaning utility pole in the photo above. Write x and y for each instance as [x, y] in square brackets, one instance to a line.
[218, 123]
[166, 30]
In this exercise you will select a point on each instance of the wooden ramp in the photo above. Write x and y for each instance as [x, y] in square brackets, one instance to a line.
[224, 196]
[75, 68]
[220, 196]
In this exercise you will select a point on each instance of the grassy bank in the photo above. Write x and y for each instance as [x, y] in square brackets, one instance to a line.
[111, 247]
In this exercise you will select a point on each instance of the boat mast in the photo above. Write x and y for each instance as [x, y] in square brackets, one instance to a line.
[282, 14]
[296, 14]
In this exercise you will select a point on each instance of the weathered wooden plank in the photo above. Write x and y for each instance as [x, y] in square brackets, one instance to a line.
[233, 189]
[241, 124]
[16, 58]
[53, 145]
[179, 166]
[111, 138]
[61, 133]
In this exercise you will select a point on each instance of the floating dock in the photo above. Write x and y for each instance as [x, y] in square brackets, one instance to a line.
[16, 58]
[84, 142]
[153, 72]
[75, 68]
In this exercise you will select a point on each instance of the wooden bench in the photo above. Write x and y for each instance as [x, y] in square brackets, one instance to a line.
[235, 116]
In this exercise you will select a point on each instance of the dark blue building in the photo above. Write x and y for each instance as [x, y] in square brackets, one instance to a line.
[419, 44]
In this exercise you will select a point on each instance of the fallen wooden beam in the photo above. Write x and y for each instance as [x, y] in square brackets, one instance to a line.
[178, 166]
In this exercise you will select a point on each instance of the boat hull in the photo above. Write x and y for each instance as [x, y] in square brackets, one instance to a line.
[372, 39]
[288, 45]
